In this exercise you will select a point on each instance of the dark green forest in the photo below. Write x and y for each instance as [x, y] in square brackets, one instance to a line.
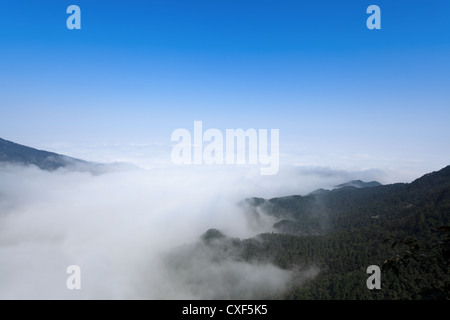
[402, 228]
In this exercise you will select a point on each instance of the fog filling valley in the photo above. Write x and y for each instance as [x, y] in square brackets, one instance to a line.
[135, 233]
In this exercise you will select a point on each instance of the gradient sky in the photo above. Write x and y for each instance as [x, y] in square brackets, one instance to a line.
[341, 95]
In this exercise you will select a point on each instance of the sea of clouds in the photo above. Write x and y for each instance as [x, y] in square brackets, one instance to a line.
[119, 227]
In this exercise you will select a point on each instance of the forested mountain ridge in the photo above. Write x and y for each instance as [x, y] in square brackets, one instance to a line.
[399, 227]
[347, 208]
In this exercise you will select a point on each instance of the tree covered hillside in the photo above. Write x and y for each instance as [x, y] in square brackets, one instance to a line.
[399, 227]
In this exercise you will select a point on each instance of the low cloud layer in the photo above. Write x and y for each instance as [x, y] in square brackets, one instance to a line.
[118, 226]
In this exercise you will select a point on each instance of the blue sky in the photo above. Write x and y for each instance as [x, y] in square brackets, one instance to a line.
[340, 94]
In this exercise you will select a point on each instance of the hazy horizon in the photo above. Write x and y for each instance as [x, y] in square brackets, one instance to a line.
[342, 96]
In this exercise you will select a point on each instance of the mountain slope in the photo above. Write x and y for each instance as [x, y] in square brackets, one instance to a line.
[14, 153]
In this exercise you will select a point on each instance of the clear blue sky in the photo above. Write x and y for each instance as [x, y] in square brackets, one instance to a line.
[137, 70]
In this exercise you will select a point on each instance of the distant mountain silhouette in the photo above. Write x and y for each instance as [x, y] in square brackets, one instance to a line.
[14, 153]
[351, 184]
[358, 184]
